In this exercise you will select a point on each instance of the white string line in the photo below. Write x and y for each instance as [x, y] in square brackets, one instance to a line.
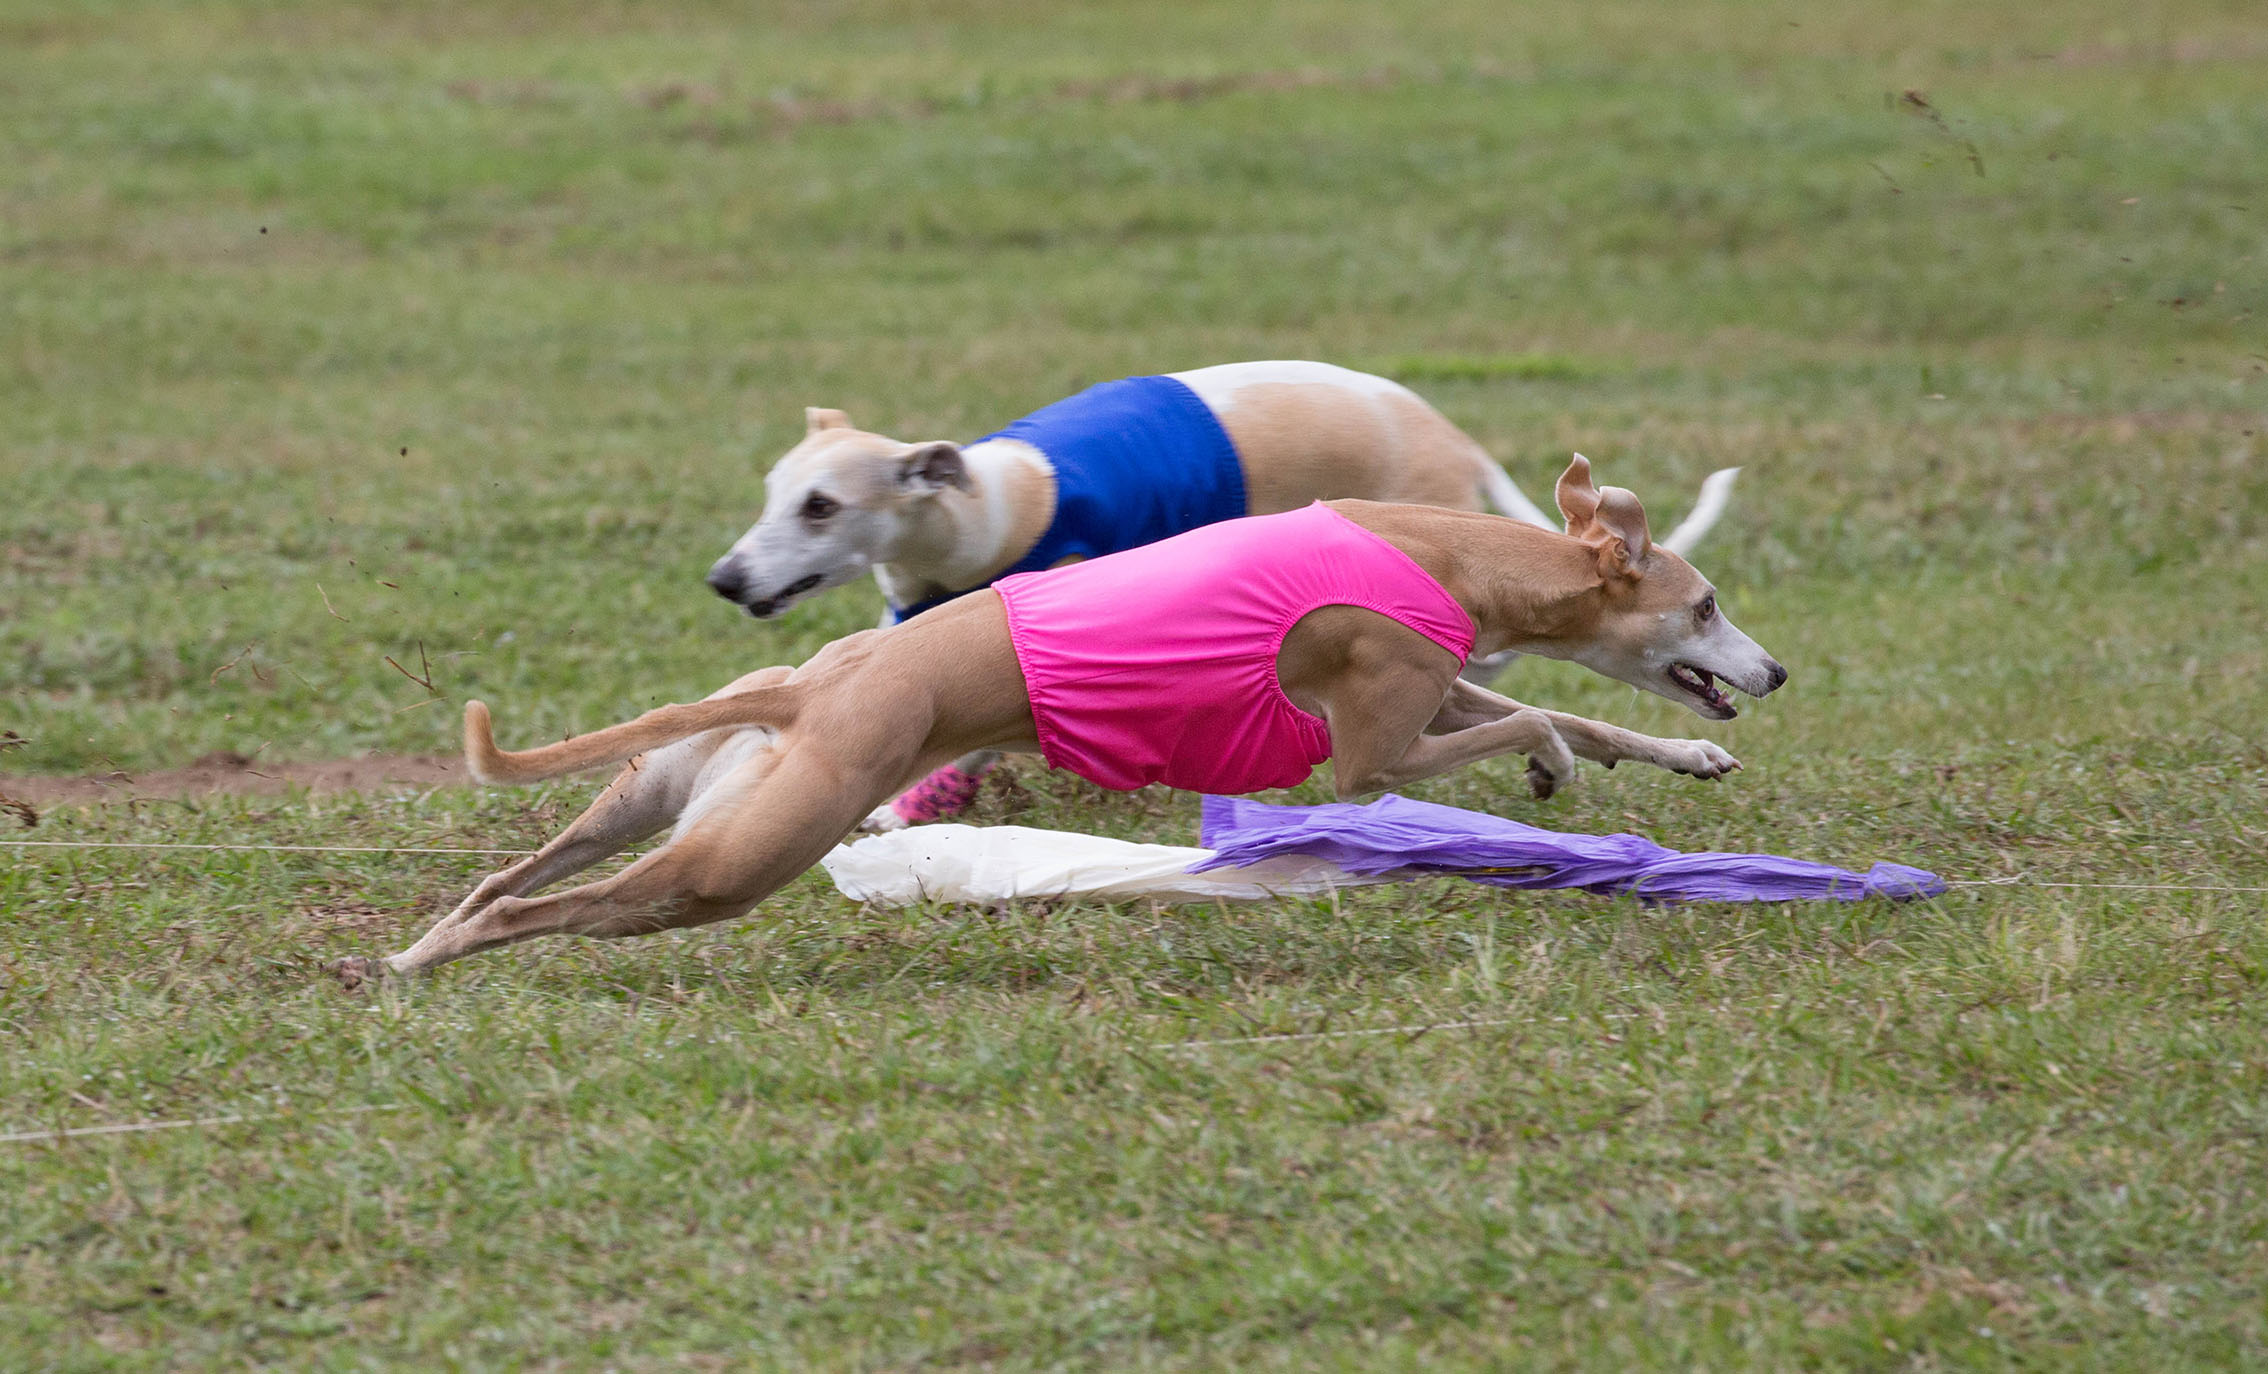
[2021, 881]
[257, 848]
[132, 1127]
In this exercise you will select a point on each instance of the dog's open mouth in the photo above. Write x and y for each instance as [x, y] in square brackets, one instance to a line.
[1703, 685]
[772, 604]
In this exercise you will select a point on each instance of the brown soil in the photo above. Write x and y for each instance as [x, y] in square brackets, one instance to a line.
[229, 774]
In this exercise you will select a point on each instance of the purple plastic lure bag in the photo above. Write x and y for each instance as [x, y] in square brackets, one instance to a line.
[1397, 835]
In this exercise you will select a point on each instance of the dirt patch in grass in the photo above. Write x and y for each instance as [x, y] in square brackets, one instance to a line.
[232, 774]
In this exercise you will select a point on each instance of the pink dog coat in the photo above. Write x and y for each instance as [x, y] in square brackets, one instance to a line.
[1159, 664]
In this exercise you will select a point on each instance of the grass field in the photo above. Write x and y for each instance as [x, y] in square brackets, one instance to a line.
[334, 333]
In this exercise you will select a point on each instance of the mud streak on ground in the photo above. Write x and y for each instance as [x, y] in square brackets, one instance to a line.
[229, 774]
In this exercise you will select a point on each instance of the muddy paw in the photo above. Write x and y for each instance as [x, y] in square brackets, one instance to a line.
[356, 972]
[1542, 782]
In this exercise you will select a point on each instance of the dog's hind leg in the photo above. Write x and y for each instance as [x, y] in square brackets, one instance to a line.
[756, 831]
[652, 790]
[649, 793]
[642, 800]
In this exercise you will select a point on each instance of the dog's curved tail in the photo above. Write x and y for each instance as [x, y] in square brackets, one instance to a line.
[1716, 491]
[774, 706]
[1506, 496]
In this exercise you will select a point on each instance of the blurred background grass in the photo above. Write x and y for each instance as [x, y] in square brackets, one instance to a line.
[487, 319]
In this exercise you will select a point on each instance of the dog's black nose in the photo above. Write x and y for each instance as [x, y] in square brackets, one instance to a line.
[726, 581]
[1779, 677]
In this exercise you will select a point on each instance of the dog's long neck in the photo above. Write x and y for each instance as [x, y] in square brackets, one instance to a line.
[1529, 590]
[964, 539]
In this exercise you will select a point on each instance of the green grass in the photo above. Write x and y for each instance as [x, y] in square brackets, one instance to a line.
[331, 333]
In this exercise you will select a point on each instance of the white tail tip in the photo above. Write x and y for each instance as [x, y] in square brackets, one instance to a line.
[1716, 493]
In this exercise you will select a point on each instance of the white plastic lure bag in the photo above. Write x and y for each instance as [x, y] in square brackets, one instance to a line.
[998, 863]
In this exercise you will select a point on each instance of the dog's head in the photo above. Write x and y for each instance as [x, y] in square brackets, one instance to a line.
[1662, 629]
[834, 506]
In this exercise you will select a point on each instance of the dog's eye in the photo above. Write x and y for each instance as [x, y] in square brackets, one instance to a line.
[818, 506]
[1707, 610]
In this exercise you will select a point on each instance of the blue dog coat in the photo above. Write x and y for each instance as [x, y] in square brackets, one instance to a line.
[1135, 461]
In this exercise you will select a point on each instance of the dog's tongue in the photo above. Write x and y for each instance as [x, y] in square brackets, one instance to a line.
[1703, 684]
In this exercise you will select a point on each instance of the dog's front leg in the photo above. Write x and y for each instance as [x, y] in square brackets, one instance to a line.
[1530, 732]
[1468, 705]
[1394, 722]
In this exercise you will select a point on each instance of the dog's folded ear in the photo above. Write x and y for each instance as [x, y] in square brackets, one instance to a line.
[934, 466]
[1578, 499]
[1619, 529]
[816, 418]
[1609, 519]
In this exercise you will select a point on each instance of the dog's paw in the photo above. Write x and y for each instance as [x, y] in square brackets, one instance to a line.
[1542, 782]
[1701, 759]
[1550, 762]
[356, 973]
[882, 820]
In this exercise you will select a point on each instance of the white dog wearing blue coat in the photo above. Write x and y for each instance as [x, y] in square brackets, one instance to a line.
[1114, 467]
